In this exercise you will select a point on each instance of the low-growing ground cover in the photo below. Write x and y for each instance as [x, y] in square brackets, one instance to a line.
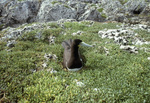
[119, 76]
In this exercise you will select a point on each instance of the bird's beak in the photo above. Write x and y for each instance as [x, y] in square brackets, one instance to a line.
[84, 44]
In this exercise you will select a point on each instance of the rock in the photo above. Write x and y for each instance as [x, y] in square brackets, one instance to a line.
[13, 34]
[11, 44]
[77, 33]
[92, 14]
[80, 8]
[51, 70]
[44, 65]
[120, 36]
[54, 12]
[20, 12]
[61, 21]
[48, 57]
[146, 10]
[134, 20]
[143, 27]
[33, 70]
[78, 83]
[54, 57]
[96, 89]
[51, 39]
[106, 51]
[135, 6]
[131, 49]
[113, 7]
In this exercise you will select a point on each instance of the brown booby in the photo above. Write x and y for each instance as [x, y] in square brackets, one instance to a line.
[71, 57]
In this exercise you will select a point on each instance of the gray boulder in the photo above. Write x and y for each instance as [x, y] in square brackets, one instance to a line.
[146, 13]
[111, 7]
[135, 6]
[54, 12]
[113, 10]
[15, 12]
[91, 15]
[22, 13]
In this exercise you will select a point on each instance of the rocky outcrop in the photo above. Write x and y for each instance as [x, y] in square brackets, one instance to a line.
[135, 6]
[130, 12]
[53, 11]
[14, 12]
[125, 36]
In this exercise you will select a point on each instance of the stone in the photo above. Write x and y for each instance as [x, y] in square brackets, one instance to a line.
[61, 21]
[135, 6]
[21, 12]
[146, 10]
[78, 83]
[48, 57]
[106, 51]
[77, 33]
[51, 70]
[96, 89]
[54, 12]
[92, 14]
[33, 70]
[54, 57]
[51, 39]
[131, 49]
[11, 44]
[44, 65]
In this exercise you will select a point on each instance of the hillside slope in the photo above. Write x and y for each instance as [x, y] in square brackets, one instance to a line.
[31, 56]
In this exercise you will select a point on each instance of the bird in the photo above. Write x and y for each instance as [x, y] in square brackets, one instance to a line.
[72, 60]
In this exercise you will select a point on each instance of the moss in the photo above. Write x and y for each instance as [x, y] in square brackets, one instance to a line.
[3, 45]
[54, 2]
[1, 26]
[123, 1]
[65, 5]
[103, 15]
[29, 36]
[53, 25]
[100, 10]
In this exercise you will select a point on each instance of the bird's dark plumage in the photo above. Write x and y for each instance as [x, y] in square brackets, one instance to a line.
[71, 57]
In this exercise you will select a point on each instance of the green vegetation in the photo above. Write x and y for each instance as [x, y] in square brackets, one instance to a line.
[123, 1]
[1, 26]
[143, 34]
[102, 13]
[120, 77]
[100, 10]
[54, 2]
[65, 5]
